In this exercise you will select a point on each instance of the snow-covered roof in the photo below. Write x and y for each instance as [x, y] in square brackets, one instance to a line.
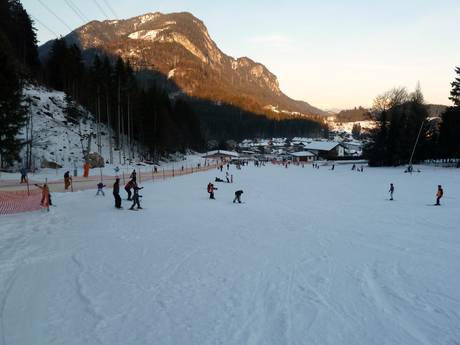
[303, 154]
[222, 153]
[321, 145]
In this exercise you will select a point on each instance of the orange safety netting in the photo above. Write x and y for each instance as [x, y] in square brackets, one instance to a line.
[19, 201]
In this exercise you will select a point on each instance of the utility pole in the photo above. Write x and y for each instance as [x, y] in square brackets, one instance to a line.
[415, 145]
[109, 128]
[129, 128]
[99, 141]
[119, 122]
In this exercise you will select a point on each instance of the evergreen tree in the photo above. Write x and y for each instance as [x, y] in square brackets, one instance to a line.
[12, 113]
[449, 133]
[455, 92]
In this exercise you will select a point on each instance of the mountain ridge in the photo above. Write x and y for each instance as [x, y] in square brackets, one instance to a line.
[179, 46]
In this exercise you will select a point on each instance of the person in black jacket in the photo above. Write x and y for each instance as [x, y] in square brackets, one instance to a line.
[116, 193]
[439, 195]
[238, 196]
[136, 197]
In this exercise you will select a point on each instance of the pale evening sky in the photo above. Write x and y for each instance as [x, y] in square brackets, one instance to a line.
[330, 53]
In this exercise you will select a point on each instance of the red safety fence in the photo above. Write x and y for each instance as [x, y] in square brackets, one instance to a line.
[20, 201]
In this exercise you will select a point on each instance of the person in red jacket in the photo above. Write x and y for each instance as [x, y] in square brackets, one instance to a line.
[130, 185]
[211, 190]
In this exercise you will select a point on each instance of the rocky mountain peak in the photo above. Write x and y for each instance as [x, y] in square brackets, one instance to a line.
[179, 46]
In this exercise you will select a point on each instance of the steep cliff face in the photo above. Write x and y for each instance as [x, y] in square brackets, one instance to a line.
[179, 46]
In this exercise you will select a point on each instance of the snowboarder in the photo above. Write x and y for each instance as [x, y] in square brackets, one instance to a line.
[128, 188]
[116, 193]
[238, 196]
[391, 191]
[211, 190]
[439, 195]
[136, 197]
[67, 180]
[100, 189]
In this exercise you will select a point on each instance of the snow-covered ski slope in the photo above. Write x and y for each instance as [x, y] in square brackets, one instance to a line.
[311, 257]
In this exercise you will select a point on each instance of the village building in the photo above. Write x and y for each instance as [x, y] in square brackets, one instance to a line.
[303, 156]
[325, 149]
[221, 155]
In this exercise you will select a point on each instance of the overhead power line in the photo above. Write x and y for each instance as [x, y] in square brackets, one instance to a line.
[101, 9]
[110, 8]
[77, 11]
[55, 15]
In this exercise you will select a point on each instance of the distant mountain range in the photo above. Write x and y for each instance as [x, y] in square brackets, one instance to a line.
[178, 46]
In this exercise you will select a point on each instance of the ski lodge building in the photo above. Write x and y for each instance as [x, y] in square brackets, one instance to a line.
[221, 155]
[325, 149]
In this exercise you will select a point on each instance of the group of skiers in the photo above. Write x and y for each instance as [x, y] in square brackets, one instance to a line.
[439, 194]
[211, 188]
[132, 196]
[131, 188]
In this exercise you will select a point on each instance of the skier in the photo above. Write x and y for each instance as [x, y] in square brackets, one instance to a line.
[133, 175]
[231, 178]
[128, 188]
[439, 195]
[136, 197]
[353, 167]
[217, 179]
[116, 193]
[391, 191]
[46, 195]
[211, 189]
[100, 189]
[23, 172]
[67, 180]
[227, 176]
[238, 196]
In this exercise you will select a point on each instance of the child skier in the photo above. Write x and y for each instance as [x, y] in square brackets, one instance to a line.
[391, 191]
[23, 172]
[136, 197]
[46, 195]
[100, 189]
[439, 195]
[211, 189]
[116, 193]
[238, 196]
[67, 180]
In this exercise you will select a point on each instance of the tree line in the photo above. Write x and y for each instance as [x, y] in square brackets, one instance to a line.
[405, 134]
[138, 111]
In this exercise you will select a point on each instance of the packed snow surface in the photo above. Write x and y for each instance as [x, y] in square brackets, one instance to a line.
[312, 256]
